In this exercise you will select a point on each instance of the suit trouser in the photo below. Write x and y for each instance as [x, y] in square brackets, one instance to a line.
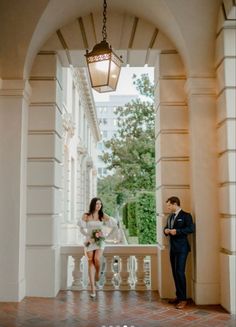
[178, 263]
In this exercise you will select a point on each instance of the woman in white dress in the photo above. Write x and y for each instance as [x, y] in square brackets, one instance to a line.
[91, 226]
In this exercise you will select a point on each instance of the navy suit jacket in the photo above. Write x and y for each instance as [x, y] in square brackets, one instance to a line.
[184, 225]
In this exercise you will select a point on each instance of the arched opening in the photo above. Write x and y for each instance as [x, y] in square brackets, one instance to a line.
[66, 48]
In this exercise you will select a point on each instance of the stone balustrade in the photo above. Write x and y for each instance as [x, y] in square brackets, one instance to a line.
[123, 267]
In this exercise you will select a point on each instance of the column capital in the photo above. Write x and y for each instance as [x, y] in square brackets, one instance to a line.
[200, 86]
[15, 88]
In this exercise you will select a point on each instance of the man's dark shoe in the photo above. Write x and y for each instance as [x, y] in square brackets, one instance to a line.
[181, 305]
[173, 301]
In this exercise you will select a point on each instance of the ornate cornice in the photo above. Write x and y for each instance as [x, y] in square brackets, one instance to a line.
[82, 83]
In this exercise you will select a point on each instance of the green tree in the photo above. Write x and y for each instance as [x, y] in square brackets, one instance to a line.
[111, 194]
[131, 151]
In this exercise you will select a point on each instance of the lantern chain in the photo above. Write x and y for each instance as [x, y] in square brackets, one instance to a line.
[104, 31]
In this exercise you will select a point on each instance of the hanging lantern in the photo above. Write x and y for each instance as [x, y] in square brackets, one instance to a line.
[103, 64]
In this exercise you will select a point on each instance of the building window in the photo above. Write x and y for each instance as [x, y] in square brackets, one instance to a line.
[104, 134]
[102, 110]
[102, 121]
[102, 172]
[100, 146]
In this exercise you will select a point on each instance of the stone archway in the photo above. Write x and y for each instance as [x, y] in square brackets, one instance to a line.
[65, 48]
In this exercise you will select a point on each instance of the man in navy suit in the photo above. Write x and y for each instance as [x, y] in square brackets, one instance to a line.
[179, 225]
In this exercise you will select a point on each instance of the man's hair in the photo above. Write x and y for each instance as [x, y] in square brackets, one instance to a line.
[174, 200]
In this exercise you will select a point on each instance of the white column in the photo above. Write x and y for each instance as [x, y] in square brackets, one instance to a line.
[44, 178]
[14, 98]
[203, 149]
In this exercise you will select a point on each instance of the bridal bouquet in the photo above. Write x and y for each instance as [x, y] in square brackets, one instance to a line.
[98, 236]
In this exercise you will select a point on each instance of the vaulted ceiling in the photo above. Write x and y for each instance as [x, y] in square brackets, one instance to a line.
[135, 39]
[136, 28]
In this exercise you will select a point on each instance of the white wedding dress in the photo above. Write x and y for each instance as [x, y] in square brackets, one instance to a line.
[108, 228]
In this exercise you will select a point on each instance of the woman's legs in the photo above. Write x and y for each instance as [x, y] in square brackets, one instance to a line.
[97, 263]
[91, 269]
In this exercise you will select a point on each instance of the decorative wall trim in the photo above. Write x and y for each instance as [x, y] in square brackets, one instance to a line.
[228, 183]
[227, 216]
[167, 52]
[47, 53]
[173, 186]
[172, 77]
[39, 159]
[173, 103]
[174, 159]
[15, 88]
[228, 252]
[29, 186]
[224, 89]
[172, 131]
[222, 60]
[225, 120]
[44, 132]
[45, 104]
[220, 154]
[32, 159]
[200, 86]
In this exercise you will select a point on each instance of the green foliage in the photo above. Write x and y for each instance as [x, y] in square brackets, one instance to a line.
[131, 217]
[125, 215]
[131, 150]
[146, 218]
[107, 191]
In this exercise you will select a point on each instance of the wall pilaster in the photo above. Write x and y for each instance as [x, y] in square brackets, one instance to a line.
[44, 177]
[172, 156]
[14, 100]
[203, 153]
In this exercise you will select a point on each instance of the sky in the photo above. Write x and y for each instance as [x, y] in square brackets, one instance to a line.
[125, 84]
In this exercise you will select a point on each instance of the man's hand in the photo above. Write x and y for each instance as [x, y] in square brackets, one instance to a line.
[172, 231]
[167, 231]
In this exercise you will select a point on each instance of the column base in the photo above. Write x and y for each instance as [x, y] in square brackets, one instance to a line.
[12, 292]
[206, 293]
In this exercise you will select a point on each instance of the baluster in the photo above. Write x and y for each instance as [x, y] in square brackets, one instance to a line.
[77, 274]
[124, 273]
[132, 270]
[140, 284]
[108, 273]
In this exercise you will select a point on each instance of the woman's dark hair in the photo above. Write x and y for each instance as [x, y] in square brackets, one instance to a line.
[92, 207]
[174, 200]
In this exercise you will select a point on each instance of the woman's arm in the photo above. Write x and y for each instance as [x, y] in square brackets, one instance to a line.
[82, 225]
[111, 223]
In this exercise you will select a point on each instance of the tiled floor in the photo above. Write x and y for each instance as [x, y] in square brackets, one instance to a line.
[109, 309]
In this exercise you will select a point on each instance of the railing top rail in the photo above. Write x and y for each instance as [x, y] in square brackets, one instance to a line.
[129, 249]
